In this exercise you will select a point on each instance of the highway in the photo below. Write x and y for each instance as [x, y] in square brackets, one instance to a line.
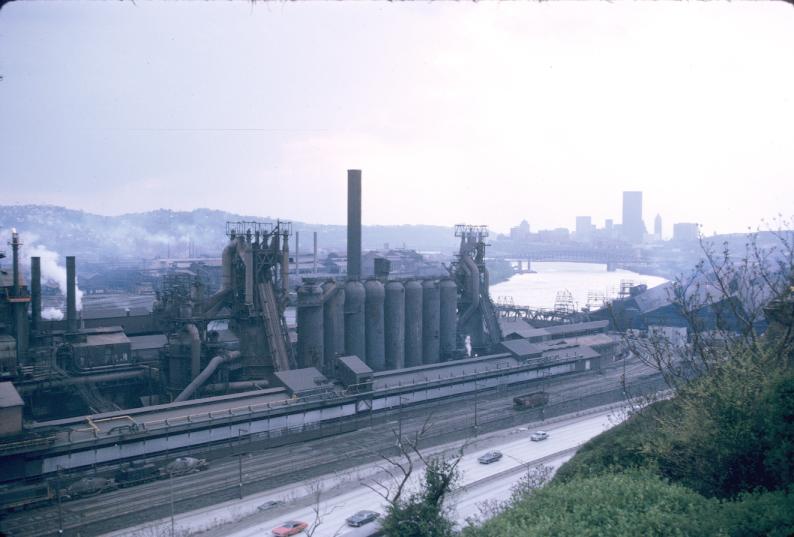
[478, 482]
[272, 468]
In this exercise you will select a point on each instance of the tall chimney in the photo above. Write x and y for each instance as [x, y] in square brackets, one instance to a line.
[15, 244]
[297, 254]
[314, 268]
[353, 224]
[71, 295]
[35, 291]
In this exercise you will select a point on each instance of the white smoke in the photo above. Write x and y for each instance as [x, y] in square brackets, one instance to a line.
[52, 314]
[52, 270]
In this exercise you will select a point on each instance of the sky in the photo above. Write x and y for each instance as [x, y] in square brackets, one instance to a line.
[483, 113]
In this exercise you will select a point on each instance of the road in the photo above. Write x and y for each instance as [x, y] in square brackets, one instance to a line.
[342, 495]
[274, 467]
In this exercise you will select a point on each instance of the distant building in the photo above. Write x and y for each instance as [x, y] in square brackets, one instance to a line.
[657, 227]
[685, 232]
[520, 232]
[584, 228]
[632, 225]
[560, 234]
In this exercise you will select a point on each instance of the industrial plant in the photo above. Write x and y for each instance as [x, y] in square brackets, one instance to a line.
[110, 400]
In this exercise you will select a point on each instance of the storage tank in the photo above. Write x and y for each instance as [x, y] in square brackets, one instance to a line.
[355, 343]
[431, 324]
[310, 325]
[413, 323]
[374, 329]
[394, 337]
[333, 324]
[448, 319]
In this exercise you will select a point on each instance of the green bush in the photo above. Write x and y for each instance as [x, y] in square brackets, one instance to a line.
[615, 505]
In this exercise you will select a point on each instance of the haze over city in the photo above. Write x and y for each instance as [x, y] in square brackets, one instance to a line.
[491, 113]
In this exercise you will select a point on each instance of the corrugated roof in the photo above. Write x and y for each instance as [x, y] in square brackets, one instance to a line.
[560, 329]
[9, 397]
[355, 364]
[574, 353]
[154, 341]
[522, 347]
[302, 380]
[515, 326]
[94, 340]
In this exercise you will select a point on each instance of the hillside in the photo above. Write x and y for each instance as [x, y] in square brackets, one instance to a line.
[165, 233]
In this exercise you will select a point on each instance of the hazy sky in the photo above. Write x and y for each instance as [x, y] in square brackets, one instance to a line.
[478, 113]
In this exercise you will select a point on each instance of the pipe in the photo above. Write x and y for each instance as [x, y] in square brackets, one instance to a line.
[353, 224]
[195, 350]
[473, 275]
[228, 260]
[35, 292]
[205, 375]
[297, 254]
[246, 253]
[84, 379]
[71, 295]
[237, 385]
[285, 266]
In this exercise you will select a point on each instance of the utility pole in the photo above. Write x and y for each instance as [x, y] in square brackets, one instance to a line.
[476, 406]
[58, 494]
[171, 486]
[240, 467]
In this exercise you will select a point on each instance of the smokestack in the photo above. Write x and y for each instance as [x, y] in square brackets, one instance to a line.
[297, 253]
[71, 295]
[353, 224]
[15, 244]
[35, 291]
[314, 269]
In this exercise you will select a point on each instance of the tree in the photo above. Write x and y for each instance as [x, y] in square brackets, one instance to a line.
[416, 509]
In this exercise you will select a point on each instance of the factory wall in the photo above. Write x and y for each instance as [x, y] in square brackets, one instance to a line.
[278, 418]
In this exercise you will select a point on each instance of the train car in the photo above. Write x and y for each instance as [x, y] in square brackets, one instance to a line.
[184, 466]
[19, 497]
[530, 400]
[136, 472]
[88, 486]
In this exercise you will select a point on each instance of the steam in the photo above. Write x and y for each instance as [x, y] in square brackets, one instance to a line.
[52, 314]
[52, 271]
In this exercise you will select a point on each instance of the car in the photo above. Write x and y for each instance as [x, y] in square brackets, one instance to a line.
[270, 504]
[290, 527]
[491, 456]
[537, 436]
[361, 518]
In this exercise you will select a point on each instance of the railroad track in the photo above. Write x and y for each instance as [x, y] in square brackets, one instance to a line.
[277, 466]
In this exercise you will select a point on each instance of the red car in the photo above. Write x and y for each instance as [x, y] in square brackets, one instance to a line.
[291, 527]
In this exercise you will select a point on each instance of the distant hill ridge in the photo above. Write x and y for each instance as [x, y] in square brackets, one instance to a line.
[163, 232]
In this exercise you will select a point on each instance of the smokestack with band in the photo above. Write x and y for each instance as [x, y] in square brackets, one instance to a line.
[35, 291]
[71, 295]
[354, 224]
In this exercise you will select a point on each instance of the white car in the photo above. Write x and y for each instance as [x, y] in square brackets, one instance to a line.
[537, 436]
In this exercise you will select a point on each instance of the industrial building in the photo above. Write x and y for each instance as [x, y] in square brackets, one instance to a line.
[94, 390]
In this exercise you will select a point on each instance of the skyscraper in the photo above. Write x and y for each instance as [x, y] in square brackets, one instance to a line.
[633, 226]
[657, 227]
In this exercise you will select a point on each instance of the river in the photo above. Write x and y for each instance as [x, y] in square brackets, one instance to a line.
[586, 283]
